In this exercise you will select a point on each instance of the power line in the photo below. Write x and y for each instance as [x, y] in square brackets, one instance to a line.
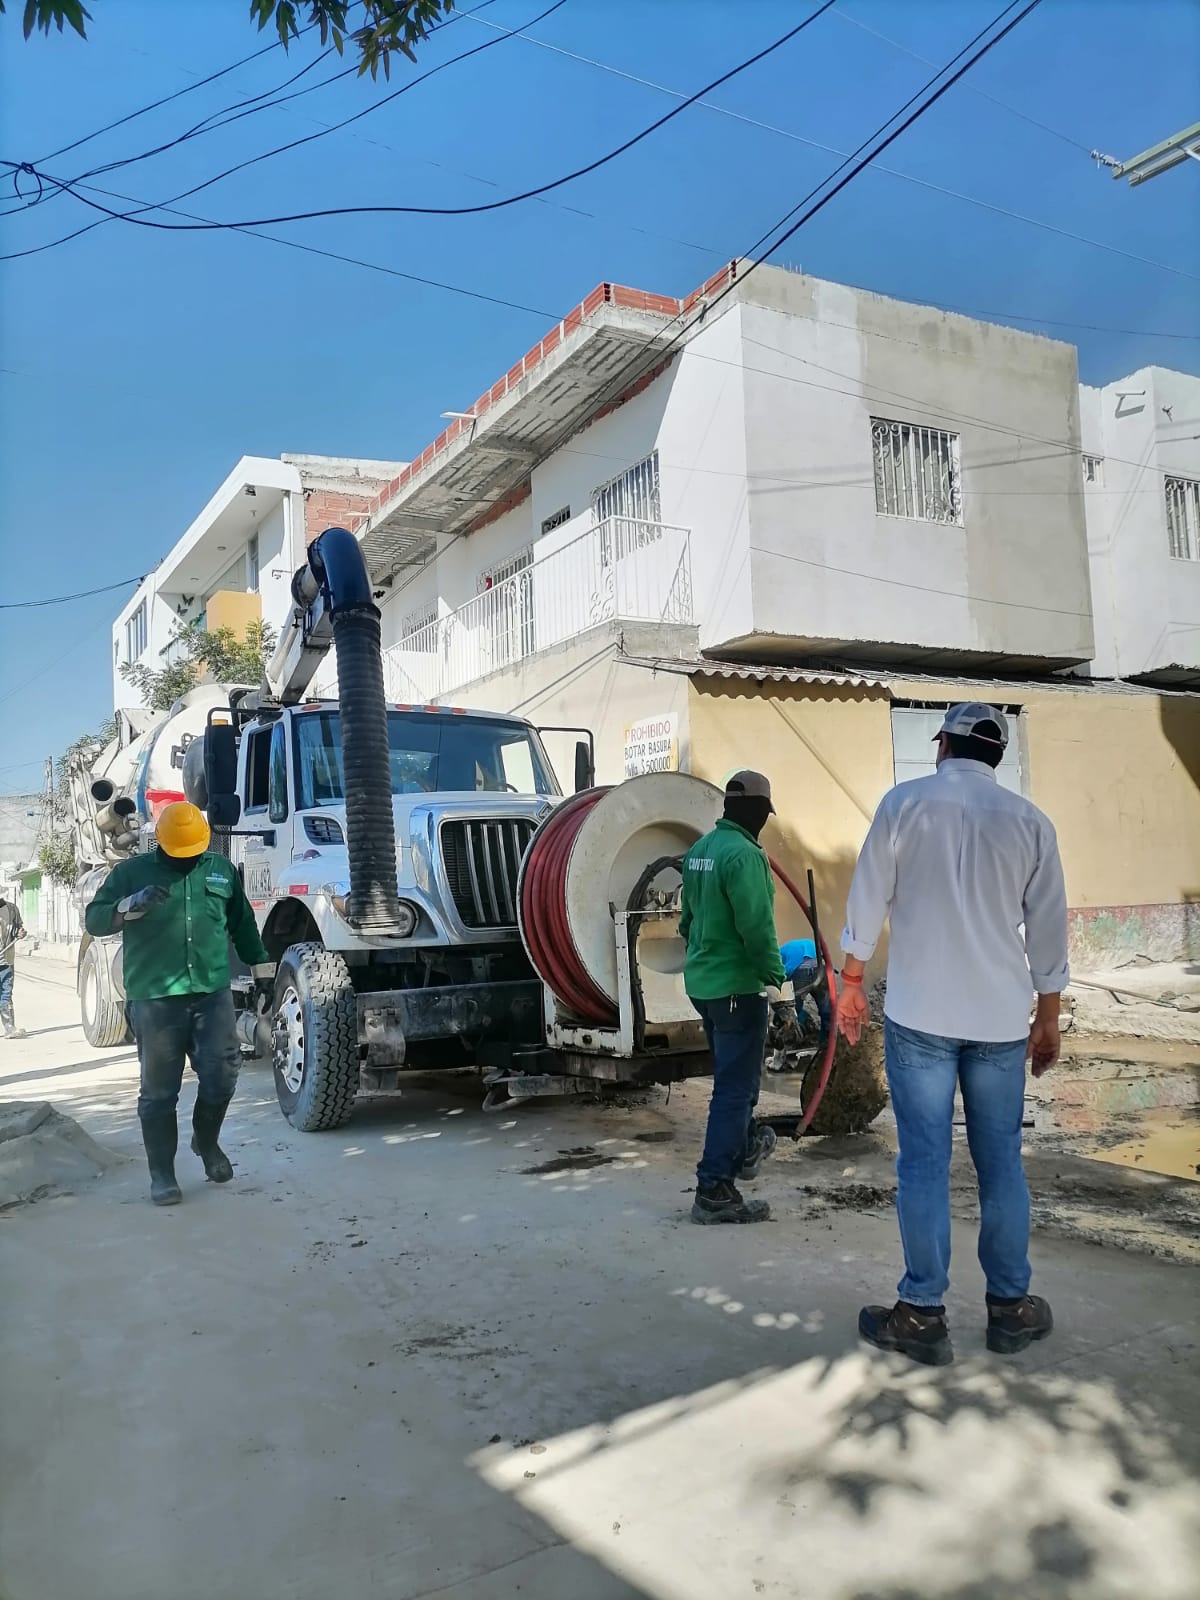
[166, 99]
[438, 211]
[61, 599]
[973, 88]
[893, 172]
[247, 107]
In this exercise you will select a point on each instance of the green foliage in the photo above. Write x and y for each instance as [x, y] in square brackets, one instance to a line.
[218, 656]
[387, 25]
[57, 859]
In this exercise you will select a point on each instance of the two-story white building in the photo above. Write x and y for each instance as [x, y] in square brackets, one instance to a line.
[1141, 470]
[233, 565]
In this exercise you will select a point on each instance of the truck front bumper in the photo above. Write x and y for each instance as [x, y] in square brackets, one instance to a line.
[412, 1027]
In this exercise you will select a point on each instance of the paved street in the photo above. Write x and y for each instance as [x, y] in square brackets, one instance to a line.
[447, 1354]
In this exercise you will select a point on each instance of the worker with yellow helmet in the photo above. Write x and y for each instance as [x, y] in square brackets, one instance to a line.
[177, 908]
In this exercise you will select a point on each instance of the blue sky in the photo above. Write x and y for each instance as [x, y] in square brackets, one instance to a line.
[138, 366]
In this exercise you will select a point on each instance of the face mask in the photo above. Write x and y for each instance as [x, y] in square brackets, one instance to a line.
[181, 864]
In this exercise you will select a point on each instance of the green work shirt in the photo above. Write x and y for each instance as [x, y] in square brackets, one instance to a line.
[182, 945]
[728, 916]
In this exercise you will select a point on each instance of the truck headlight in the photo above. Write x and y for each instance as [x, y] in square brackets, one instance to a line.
[339, 893]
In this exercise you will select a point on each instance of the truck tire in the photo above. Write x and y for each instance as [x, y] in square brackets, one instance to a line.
[101, 1005]
[314, 1051]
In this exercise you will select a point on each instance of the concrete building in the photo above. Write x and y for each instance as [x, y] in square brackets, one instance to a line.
[234, 564]
[1141, 472]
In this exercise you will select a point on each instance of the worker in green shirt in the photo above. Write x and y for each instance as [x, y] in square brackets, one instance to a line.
[733, 972]
[176, 909]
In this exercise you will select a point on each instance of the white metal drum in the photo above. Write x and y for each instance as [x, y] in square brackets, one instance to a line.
[659, 814]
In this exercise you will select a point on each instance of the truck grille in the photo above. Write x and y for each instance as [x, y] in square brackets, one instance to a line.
[482, 862]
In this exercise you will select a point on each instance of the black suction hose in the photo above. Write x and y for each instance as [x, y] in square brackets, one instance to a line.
[337, 563]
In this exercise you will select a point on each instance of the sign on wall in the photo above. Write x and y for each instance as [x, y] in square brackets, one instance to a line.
[652, 745]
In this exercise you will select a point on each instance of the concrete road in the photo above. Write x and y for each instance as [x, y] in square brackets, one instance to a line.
[446, 1354]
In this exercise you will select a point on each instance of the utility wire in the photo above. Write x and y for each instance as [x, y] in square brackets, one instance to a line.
[973, 88]
[166, 100]
[439, 211]
[893, 172]
[61, 599]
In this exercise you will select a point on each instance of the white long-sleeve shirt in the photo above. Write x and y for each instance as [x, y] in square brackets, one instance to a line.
[970, 876]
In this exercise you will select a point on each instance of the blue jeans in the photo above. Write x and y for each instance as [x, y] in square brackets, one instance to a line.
[736, 1030]
[7, 974]
[177, 1028]
[922, 1070]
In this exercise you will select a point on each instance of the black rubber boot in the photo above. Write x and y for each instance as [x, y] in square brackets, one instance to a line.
[1012, 1327]
[912, 1331]
[721, 1202]
[160, 1135]
[206, 1125]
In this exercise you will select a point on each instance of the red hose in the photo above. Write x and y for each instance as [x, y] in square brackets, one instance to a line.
[544, 913]
[831, 976]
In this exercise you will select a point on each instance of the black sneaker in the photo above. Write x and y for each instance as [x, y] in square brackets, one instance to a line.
[1012, 1328]
[760, 1148]
[721, 1202]
[909, 1330]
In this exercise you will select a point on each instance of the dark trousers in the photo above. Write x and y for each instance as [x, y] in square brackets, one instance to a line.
[180, 1028]
[736, 1030]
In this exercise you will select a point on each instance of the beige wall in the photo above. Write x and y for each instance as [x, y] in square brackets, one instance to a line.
[828, 753]
[1118, 774]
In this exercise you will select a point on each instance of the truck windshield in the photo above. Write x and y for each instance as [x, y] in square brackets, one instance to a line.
[428, 754]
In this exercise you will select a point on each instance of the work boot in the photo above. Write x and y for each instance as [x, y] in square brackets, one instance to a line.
[721, 1202]
[916, 1331]
[760, 1147]
[160, 1135]
[206, 1125]
[1014, 1324]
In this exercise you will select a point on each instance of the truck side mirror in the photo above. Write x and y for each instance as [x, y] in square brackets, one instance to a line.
[220, 774]
[585, 767]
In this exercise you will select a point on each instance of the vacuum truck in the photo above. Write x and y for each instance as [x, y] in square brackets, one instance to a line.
[429, 896]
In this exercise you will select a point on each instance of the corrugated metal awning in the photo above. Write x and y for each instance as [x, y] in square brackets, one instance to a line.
[757, 672]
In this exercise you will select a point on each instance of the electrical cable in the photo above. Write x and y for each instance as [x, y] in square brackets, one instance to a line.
[429, 211]
[892, 172]
[61, 599]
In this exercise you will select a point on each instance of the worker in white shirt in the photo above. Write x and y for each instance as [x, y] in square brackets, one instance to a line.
[970, 877]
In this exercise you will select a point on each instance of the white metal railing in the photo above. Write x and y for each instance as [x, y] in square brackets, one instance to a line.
[622, 569]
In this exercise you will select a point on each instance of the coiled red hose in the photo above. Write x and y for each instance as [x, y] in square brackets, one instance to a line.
[552, 949]
[544, 913]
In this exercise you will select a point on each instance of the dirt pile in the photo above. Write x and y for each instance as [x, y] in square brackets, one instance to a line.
[43, 1152]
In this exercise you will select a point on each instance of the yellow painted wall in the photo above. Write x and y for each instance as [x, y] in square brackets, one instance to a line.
[1117, 772]
[232, 608]
[827, 750]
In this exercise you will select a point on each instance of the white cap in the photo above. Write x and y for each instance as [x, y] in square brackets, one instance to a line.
[963, 720]
[746, 782]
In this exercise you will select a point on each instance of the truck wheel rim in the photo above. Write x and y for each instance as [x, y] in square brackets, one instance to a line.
[288, 1041]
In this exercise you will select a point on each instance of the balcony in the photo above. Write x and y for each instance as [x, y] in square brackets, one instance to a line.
[623, 569]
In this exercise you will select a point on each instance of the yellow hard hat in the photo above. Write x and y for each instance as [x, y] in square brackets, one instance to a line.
[183, 830]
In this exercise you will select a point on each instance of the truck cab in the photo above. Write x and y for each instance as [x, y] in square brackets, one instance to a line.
[468, 789]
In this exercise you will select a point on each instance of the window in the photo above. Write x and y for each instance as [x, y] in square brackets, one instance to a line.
[556, 519]
[634, 493]
[916, 472]
[422, 617]
[914, 753]
[258, 782]
[428, 754]
[252, 564]
[136, 634]
[277, 794]
[509, 608]
[1093, 470]
[1183, 518]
